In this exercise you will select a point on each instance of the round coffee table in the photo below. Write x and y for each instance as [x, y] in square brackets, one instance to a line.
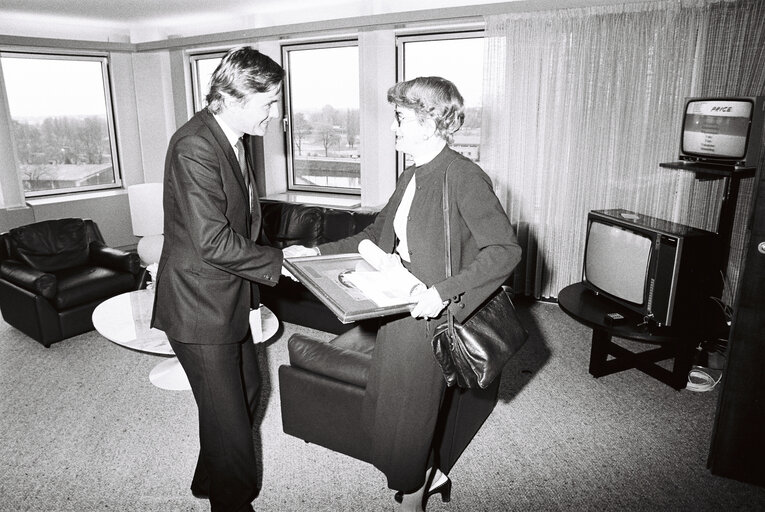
[125, 318]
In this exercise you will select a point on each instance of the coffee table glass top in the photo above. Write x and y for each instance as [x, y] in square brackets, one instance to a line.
[125, 320]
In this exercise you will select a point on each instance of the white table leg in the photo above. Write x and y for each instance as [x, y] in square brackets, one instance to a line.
[169, 375]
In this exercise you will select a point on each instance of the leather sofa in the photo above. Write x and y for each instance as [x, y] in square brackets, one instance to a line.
[322, 389]
[54, 273]
[287, 224]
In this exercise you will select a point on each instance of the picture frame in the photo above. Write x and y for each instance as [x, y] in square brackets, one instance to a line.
[323, 276]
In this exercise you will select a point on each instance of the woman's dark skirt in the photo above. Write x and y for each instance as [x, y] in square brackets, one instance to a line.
[402, 401]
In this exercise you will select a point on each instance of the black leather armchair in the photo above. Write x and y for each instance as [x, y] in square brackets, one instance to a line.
[323, 387]
[54, 273]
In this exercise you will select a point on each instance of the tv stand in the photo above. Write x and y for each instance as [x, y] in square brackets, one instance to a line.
[677, 344]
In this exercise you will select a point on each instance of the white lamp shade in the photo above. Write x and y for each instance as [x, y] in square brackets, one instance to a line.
[146, 209]
[149, 249]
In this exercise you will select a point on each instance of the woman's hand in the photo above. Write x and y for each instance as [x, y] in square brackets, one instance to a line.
[389, 262]
[429, 304]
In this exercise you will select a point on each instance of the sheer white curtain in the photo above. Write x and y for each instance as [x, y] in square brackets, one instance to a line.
[580, 107]
[11, 190]
[734, 65]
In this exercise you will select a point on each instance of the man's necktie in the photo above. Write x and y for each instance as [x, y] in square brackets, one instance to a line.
[242, 157]
[243, 167]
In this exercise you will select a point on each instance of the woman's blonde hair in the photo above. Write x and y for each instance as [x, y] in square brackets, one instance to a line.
[432, 97]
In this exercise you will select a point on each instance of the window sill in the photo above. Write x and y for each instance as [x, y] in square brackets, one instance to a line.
[75, 196]
[328, 200]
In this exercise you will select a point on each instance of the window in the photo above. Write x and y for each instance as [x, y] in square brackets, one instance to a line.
[322, 117]
[202, 68]
[61, 122]
[458, 57]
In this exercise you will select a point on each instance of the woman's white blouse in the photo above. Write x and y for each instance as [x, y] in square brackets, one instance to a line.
[400, 220]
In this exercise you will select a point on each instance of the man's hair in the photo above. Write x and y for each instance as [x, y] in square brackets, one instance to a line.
[242, 72]
[432, 97]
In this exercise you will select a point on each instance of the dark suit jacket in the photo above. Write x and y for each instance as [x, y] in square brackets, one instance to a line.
[210, 260]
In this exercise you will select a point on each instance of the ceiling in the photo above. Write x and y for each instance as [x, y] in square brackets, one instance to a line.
[145, 20]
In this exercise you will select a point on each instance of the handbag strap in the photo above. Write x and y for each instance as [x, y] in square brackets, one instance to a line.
[447, 240]
[447, 228]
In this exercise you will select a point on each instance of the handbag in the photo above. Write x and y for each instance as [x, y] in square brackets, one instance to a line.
[473, 353]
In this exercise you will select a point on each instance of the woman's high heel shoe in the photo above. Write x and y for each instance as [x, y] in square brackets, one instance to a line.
[445, 490]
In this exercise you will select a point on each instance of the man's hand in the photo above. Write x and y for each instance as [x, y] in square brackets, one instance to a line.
[429, 304]
[296, 251]
[287, 273]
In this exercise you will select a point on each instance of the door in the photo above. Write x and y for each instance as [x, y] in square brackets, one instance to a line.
[738, 441]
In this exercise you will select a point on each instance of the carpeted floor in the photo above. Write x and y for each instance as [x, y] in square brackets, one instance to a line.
[83, 429]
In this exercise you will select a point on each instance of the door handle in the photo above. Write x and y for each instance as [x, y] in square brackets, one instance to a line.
[761, 247]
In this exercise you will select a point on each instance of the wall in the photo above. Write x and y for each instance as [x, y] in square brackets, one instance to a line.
[155, 111]
[274, 149]
[12, 217]
[377, 54]
[110, 211]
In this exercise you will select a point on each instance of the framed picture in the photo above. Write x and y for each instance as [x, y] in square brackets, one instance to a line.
[330, 278]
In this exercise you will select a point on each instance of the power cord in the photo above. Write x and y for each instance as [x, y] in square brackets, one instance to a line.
[700, 379]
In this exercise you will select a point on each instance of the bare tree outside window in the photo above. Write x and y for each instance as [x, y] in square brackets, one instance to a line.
[301, 129]
[323, 116]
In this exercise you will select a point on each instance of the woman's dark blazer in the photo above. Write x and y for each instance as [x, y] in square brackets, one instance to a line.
[484, 246]
[210, 262]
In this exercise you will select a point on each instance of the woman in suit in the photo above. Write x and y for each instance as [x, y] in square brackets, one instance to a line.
[406, 385]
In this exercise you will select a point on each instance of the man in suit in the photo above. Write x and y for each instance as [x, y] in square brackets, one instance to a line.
[211, 266]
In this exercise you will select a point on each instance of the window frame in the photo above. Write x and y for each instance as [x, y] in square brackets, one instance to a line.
[440, 35]
[420, 36]
[103, 58]
[287, 117]
[198, 102]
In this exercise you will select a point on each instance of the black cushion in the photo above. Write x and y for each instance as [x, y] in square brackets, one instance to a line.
[52, 245]
[328, 359]
[359, 339]
[31, 279]
[84, 284]
[337, 224]
[116, 259]
[289, 224]
[286, 224]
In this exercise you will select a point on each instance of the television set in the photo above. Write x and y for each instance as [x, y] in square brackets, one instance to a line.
[661, 270]
[723, 131]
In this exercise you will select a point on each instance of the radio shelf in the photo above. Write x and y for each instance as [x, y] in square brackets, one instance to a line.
[711, 171]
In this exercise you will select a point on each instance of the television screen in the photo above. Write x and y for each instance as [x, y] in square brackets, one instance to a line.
[716, 128]
[607, 244]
